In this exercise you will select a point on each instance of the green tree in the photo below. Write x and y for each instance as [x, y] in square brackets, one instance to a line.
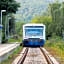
[57, 13]
[19, 28]
[12, 28]
[11, 6]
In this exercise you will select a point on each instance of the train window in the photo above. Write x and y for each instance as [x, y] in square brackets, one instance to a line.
[33, 32]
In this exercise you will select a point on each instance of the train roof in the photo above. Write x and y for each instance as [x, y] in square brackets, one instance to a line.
[33, 25]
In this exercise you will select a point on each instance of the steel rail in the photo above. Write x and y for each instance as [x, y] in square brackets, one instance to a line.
[20, 59]
[23, 57]
[47, 56]
[50, 59]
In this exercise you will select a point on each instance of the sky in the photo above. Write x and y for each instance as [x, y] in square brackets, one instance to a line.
[32, 8]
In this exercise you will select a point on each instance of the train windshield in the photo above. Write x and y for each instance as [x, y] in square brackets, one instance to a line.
[34, 32]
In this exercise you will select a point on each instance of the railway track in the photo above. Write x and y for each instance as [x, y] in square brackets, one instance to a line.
[34, 56]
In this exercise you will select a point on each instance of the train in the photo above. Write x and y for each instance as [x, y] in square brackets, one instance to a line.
[33, 34]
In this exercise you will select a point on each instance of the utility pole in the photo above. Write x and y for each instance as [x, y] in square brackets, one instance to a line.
[8, 25]
[1, 26]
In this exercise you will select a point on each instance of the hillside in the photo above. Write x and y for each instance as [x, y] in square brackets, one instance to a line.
[31, 8]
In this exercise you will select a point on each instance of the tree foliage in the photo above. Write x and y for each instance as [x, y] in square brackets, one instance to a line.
[12, 25]
[19, 28]
[55, 22]
[57, 13]
[11, 6]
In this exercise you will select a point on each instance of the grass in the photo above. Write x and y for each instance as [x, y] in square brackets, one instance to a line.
[15, 40]
[56, 47]
[12, 56]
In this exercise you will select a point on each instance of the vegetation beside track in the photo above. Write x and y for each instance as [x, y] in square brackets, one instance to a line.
[56, 47]
[15, 40]
[12, 56]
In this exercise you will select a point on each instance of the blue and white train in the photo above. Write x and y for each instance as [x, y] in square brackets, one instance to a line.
[33, 34]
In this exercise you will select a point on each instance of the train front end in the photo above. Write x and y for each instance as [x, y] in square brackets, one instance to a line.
[33, 35]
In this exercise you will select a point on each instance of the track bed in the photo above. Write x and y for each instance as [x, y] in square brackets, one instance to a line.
[35, 56]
